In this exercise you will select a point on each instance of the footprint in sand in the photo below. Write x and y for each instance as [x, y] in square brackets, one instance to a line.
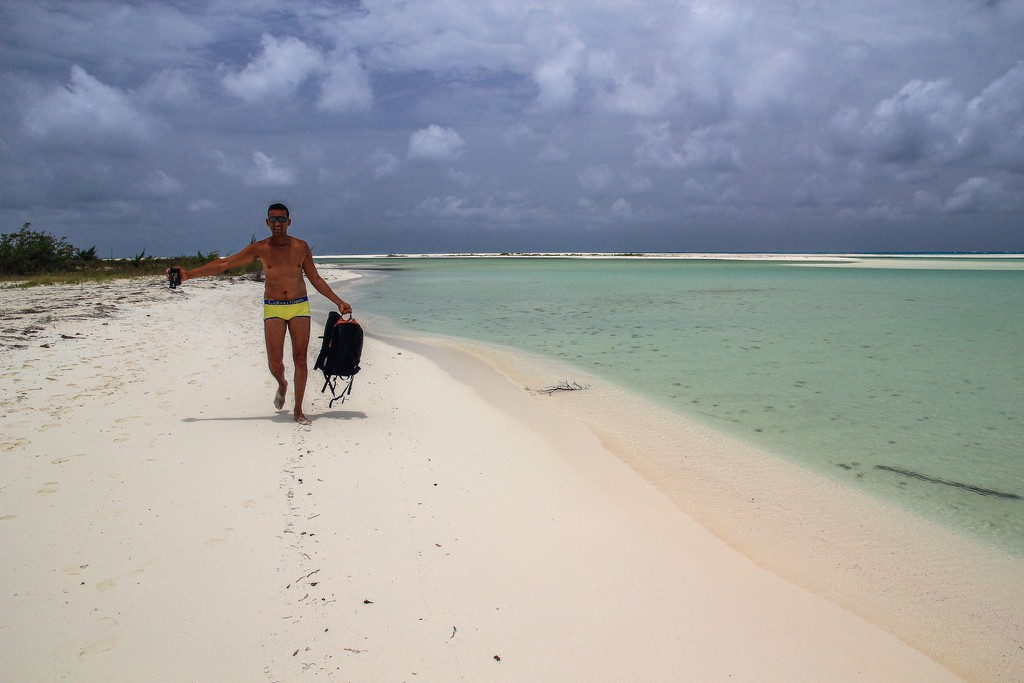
[61, 461]
[217, 540]
[107, 584]
[251, 503]
[105, 635]
[4, 518]
[48, 488]
[11, 445]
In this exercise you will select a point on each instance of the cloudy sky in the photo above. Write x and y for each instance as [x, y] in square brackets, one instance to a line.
[514, 125]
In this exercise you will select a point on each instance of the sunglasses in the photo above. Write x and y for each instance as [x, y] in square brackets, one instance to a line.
[277, 219]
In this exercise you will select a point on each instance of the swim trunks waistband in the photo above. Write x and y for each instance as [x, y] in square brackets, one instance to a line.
[286, 310]
[280, 302]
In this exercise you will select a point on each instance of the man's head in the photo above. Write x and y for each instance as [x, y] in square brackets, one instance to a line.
[278, 219]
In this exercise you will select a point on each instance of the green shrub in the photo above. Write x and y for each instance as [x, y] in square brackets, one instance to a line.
[28, 252]
[34, 257]
[87, 255]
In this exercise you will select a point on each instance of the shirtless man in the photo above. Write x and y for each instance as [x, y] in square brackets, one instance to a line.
[285, 307]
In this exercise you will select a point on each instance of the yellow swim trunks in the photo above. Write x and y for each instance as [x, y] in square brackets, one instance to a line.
[286, 310]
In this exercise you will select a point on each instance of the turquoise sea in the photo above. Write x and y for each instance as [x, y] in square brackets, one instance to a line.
[901, 377]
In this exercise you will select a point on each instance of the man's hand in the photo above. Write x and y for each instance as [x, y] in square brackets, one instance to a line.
[344, 308]
[175, 276]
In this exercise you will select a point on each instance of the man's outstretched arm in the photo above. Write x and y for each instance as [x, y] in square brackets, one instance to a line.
[242, 258]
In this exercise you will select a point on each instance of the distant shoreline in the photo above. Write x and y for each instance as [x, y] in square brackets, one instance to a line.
[960, 261]
[714, 256]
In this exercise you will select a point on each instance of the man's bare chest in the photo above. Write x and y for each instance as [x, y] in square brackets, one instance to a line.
[281, 258]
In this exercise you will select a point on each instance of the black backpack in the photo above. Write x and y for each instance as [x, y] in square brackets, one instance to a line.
[339, 353]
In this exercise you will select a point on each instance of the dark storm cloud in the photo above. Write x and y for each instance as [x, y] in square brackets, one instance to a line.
[447, 125]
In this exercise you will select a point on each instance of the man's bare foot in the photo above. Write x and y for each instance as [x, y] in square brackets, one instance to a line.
[279, 397]
[302, 419]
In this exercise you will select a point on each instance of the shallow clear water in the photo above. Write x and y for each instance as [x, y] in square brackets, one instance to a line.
[905, 382]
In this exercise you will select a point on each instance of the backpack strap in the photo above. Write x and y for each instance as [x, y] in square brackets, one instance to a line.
[328, 383]
[344, 392]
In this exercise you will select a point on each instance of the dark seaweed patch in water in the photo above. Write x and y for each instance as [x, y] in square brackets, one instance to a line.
[947, 482]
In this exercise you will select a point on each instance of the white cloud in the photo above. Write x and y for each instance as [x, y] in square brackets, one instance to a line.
[277, 72]
[926, 202]
[995, 119]
[451, 208]
[448, 207]
[345, 86]
[460, 178]
[773, 80]
[556, 77]
[262, 170]
[595, 179]
[435, 144]
[171, 87]
[931, 122]
[656, 147]
[921, 120]
[161, 184]
[553, 153]
[982, 195]
[267, 171]
[712, 149]
[623, 210]
[516, 135]
[202, 205]
[638, 183]
[625, 90]
[716, 192]
[437, 36]
[149, 35]
[706, 148]
[88, 113]
[383, 163]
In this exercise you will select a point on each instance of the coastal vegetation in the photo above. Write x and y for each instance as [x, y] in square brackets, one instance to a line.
[30, 257]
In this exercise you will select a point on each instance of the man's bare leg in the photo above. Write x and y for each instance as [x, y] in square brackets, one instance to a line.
[273, 331]
[298, 330]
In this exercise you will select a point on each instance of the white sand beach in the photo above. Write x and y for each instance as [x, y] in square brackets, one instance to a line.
[161, 521]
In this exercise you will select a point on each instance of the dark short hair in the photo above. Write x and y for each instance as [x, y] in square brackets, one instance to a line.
[278, 207]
